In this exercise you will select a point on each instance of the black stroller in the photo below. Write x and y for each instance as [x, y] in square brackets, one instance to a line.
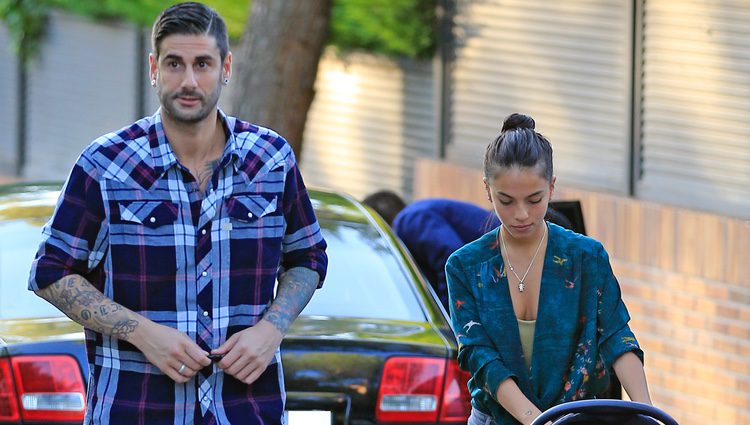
[604, 412]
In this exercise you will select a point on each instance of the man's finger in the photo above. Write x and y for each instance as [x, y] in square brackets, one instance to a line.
[244, 372]
[226, 346]
[198, 356]
[254, 376]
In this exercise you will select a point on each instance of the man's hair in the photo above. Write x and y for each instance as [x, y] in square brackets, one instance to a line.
[385, 203]
[190, 18]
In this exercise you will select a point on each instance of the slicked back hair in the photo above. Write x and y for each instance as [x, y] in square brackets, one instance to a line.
[190, 18]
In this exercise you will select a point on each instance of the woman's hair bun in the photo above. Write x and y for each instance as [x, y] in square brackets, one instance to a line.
[516, 121]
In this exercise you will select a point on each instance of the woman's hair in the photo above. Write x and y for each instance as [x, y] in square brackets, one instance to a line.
[518, 145]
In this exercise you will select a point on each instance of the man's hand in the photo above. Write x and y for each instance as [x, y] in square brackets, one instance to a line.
[169, 349]
[248, 353]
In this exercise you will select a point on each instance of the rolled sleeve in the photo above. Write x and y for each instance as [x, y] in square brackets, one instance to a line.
[615, 336]
[476, 352]
[73, 240]
[303, 244]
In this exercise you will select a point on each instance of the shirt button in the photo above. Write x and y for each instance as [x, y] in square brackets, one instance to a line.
[203, 232]
[250, 215]
[204, 274]
[152, 219]
[205, 314]
[211, 190]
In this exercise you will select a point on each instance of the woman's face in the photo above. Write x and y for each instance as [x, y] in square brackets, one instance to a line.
[520, 196]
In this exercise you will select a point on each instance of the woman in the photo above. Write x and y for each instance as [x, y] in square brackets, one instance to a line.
[536, 309]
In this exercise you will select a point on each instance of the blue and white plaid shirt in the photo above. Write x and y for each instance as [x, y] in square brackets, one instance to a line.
[132, 220]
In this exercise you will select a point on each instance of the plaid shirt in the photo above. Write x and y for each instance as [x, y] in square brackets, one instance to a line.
[131, 220]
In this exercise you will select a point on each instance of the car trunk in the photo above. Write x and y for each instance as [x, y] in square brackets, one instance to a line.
[339, 363]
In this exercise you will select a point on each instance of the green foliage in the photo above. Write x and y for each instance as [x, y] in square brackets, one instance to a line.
[144, 12]
[25, 20]
[392, 27]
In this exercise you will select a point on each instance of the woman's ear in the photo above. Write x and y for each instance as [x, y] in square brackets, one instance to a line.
[487, 190]
[552, 186]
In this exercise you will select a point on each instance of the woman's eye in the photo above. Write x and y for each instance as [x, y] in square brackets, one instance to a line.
[506, 202]
[535, 201]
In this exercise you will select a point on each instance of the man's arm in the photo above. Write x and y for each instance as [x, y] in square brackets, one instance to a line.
[248, 353]
[165, 347]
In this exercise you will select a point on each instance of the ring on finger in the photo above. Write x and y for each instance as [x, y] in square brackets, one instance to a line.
[181, 369]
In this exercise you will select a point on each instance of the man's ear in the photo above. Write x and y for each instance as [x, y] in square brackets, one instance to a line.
[227, 66]
[153, 67]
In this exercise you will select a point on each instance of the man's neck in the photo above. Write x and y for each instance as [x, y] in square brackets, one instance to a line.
[194, 142]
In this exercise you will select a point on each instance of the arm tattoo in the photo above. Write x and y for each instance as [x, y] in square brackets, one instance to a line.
[296, 287]
[79, 300]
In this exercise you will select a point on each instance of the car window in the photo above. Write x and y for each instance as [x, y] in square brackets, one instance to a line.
[365, 277]
[19, 241]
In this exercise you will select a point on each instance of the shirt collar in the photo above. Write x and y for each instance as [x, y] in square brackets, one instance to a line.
[164, 157]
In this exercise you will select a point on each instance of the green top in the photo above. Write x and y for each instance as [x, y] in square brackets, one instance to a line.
[526, 332]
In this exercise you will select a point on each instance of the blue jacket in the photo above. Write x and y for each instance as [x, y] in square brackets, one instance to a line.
[432, 229]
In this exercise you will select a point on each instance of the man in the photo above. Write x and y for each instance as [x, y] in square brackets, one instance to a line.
[167, 242]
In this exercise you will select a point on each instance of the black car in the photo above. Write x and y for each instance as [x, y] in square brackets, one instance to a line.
[373, 346]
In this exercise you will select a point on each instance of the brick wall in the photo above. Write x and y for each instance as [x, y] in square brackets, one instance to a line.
[685, 278]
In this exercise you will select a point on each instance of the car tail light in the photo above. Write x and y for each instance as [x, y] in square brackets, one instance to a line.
[456, 405]
[421, 389]
[8, 400]
[50, 388]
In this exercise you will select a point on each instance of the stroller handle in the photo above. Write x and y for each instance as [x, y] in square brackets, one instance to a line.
[602, 408]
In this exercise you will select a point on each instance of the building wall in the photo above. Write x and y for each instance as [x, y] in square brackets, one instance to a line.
[370, 119]
[81, 85]
[685, 279]
[8, 104]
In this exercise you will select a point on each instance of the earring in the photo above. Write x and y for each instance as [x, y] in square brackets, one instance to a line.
[153, 83]
[226, 81]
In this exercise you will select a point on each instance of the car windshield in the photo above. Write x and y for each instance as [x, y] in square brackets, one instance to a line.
[365, 278]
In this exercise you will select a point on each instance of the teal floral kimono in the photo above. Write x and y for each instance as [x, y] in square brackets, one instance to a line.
[581, 326]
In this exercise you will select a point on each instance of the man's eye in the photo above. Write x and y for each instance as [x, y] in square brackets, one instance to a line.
[535, 201]
[173, 64]
[202, 64]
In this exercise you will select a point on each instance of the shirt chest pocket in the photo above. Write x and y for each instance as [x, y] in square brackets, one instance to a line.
[151, 214]
[149, 223]
[253, 212]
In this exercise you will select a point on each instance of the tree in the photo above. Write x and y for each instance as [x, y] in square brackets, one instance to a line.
[277, 63]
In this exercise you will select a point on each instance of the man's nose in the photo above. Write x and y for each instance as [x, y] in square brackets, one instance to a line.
[189, 80]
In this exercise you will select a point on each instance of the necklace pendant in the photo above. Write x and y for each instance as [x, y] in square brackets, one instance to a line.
[521, 286]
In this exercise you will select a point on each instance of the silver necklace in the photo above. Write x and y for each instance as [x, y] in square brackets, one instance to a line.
[521, 284]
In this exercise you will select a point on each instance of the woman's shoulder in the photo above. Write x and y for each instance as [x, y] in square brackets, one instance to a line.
[570, 241]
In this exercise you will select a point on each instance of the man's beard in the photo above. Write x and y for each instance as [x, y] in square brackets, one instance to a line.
[207, 105]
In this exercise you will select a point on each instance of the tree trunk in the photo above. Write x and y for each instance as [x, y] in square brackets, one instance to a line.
[275, 70]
